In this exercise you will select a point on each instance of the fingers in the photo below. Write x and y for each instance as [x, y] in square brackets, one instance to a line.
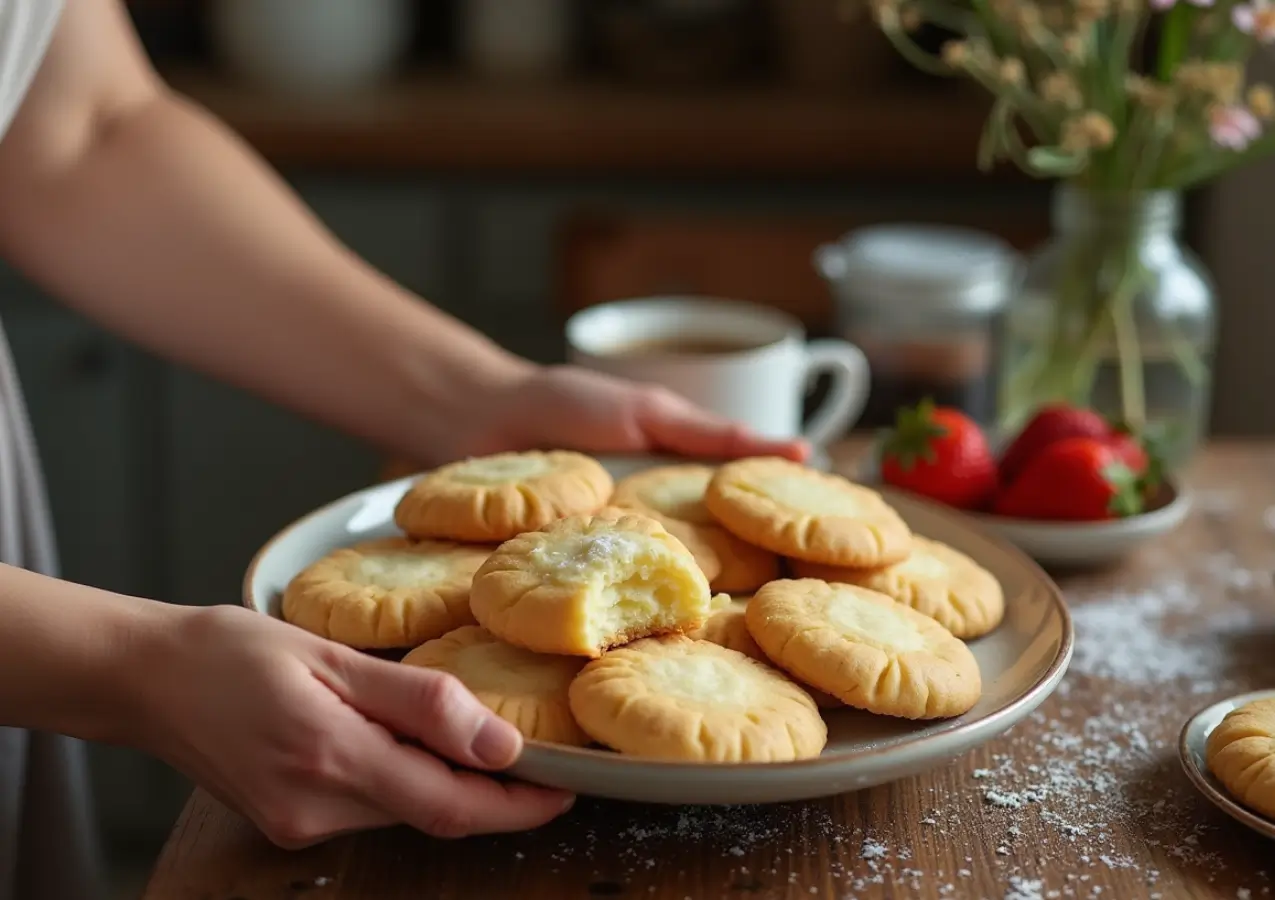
[421, 791]
[432, 707]
[674, 424]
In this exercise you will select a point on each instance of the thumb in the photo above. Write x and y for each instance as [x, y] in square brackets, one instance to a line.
[429, 706]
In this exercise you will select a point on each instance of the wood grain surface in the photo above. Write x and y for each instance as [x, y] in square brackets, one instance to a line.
[440, 121]
[1084, 799]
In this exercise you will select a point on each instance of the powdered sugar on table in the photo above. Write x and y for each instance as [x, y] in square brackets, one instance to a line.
[1089, 793]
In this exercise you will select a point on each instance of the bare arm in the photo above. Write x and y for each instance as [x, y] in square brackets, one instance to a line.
[144, 213]
[65, 655]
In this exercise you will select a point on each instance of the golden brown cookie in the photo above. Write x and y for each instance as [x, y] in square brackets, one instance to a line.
[385, 593]
[727, 627]
[494, 498]
[528, 690]
[935, 579]
[586, 583]
[1241, 754]
[806, 514]
[675, 496]
[675, 698]
[865, 649]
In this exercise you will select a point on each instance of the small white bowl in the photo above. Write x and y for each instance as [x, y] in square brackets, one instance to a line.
[1074, 544]
[1088, 543]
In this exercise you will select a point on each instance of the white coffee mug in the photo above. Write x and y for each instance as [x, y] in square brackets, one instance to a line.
[748, 362]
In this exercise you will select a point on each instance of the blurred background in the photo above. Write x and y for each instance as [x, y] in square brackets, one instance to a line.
[512, 161]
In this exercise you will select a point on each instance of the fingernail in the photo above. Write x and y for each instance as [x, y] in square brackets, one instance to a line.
[496, 743]
[570, 802]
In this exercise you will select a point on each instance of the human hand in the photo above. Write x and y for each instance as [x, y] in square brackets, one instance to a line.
[299, 734]
[575, 408]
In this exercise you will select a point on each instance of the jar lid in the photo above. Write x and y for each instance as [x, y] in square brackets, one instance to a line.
[920, 267]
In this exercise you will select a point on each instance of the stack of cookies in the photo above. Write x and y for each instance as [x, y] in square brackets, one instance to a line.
[652, 616]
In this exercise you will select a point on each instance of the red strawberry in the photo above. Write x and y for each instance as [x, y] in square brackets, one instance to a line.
[1077, 478]
[941, 454]
[1130, 450]
[1050, 423]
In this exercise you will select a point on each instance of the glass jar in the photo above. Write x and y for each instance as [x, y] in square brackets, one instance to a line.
[1114, 313]
[922, 303]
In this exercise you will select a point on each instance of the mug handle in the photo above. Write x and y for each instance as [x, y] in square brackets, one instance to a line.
[851, 381]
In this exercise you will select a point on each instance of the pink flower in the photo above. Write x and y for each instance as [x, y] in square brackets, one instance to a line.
[1257, 17]
[1169, 4]
[1233, 127]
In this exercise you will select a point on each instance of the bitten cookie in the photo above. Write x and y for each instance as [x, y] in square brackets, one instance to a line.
[586, 583]
[936, 580]
[674, 698]
[806, 514]
[1241, 754]
[727, 627]
[494, 498]
[386, 593]
[675, 496]
[528, 690]
[865, 649]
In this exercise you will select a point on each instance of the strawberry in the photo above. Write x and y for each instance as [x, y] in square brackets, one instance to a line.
[1130, 451]
[1050, 423]
[1076, 478]
[939, 453]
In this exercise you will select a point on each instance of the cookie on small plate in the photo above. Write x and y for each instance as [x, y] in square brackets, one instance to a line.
[674, 698]
[805, 514]
[675, 496]
[935, 579]
[1241, 754]
[586, 583]
[494, 498]
[386, 593]
[865, 649]
[528, 690]
[728, 627]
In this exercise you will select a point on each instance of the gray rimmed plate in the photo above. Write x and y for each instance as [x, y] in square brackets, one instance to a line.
[1191, 750]
[1021, 663]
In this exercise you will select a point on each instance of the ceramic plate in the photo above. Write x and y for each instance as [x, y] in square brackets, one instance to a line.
[1021, 663]
[1191, 747]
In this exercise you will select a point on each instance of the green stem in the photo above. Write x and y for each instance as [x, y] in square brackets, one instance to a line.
[1133, 402]
[910, 51]
[1174, 40]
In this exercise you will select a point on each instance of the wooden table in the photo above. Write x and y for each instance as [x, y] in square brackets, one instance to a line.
[1085, 799]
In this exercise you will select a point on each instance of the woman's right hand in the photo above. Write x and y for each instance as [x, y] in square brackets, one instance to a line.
[300, 734]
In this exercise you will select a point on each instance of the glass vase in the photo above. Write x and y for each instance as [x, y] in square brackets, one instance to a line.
[1113, 312]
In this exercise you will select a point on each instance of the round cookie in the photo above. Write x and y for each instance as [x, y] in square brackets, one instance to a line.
[586, 583]
[1241, 754]
[727, 627]
[806, 514]
[674, 698]
[494, 498]
[386, 593]
[675, 496]
[935, 579]
[865, 649]
[528, 690]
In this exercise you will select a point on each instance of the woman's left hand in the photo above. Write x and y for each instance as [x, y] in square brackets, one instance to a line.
[573, 408]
